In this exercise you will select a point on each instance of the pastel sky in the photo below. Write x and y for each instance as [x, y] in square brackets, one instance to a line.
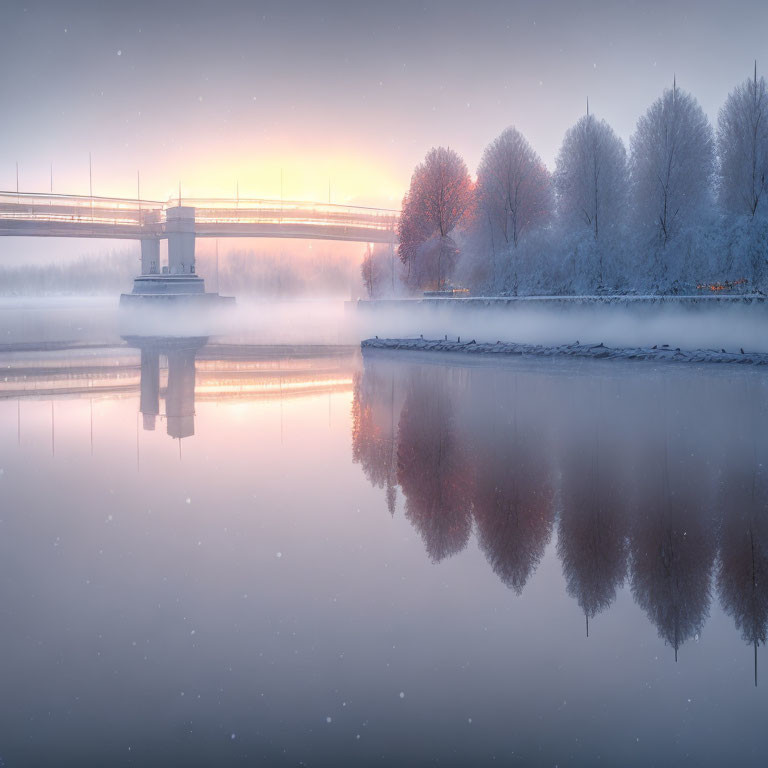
[215, 94]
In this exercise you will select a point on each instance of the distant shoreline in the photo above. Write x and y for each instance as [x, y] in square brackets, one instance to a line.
[612, 299]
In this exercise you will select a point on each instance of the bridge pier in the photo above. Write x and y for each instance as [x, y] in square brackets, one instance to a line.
[150, 256]
[180, 229]
[179, 280]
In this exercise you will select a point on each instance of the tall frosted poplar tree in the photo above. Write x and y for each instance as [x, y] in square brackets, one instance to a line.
[742, 147]
[514, 193]
[672, 162]
[591, 176]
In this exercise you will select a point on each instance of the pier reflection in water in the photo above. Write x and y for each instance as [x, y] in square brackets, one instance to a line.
[180, 392]
[397, 560]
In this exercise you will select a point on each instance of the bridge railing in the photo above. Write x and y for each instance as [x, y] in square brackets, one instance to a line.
[62, 211]
[245, 212]
[67, 210]
[124, 217]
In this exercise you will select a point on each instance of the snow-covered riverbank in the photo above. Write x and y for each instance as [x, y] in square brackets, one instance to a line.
[596, 351]
[704, 300]
[620, 322]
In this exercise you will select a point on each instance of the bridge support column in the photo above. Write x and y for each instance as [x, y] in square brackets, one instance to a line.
[150, 256]
[180, 228]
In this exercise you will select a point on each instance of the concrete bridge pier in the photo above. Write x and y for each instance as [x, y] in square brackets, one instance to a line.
[150, 256]
[180, 229]
[179, 280]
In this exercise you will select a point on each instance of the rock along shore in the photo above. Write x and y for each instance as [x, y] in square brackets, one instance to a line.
[595, 351]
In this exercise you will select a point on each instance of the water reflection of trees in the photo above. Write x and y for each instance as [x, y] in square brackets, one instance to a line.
[593, 520]
[673, 535]
[742, 574]
[513, 499]
[432, 464]
[645, 479]
[742, 577]
[673, 550]
[375, 413]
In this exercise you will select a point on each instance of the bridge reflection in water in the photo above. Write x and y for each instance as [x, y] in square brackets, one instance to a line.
[177, 371]
[643, 479]
[180, 391]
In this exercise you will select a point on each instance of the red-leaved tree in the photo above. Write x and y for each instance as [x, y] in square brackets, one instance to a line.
[439, 197]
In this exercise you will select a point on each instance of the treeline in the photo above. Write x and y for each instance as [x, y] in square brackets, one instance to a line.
[323, 272]
[684, 210]
[106, 274]
[671, 509]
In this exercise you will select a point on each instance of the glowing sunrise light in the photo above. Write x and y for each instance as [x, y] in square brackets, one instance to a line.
[301, 176]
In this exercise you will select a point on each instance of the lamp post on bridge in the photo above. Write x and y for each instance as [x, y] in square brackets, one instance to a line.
[90, 183]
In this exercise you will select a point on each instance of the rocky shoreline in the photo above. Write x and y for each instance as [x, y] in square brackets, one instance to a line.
[594, 351]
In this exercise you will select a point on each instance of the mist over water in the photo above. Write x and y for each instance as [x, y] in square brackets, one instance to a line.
[699, 326]
[704, 325]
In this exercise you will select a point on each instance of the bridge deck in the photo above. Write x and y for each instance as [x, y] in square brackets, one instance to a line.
[41, 215]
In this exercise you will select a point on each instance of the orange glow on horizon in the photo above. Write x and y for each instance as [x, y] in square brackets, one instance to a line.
[343, 179]
[212, 168]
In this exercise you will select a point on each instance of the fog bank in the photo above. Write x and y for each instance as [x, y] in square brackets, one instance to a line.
[708, 325]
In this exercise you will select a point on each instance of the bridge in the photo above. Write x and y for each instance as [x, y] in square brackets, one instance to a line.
[181, 221]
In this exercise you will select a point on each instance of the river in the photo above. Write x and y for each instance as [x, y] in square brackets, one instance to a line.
[221, 552]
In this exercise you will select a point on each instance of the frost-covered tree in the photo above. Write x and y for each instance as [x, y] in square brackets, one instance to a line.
[413, 231]
[513, 187]
[672, 162]
[439, 197]
[379, 270]
[592, 181]
[591, 176]
[369, 272]
[742, 145]
[514, 195]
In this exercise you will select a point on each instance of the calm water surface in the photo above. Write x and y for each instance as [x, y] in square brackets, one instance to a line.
[217, 554]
